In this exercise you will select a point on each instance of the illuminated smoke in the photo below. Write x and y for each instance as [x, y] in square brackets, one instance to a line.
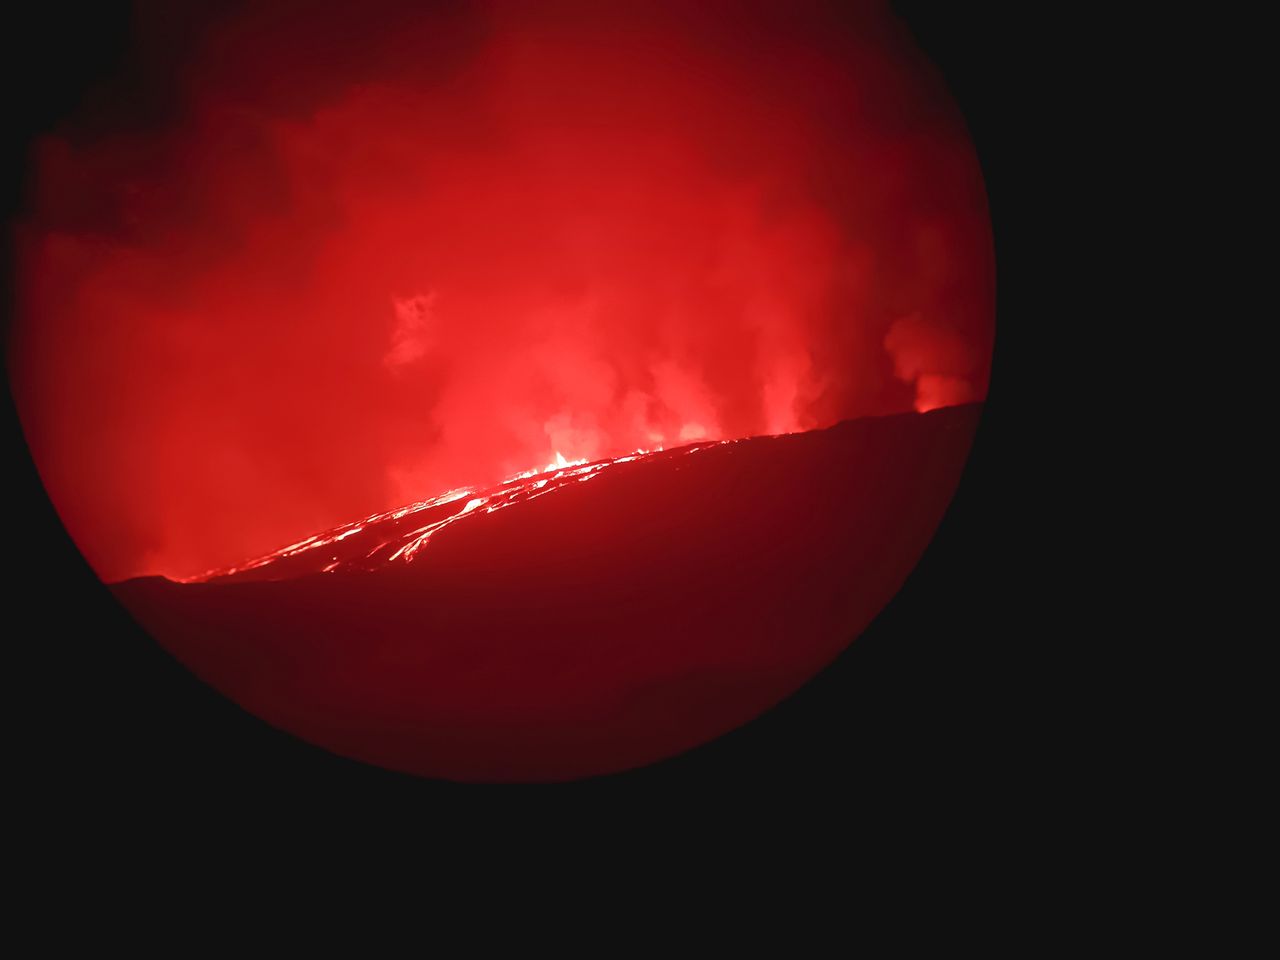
[412, 333]
[377, 252]
[937, 360]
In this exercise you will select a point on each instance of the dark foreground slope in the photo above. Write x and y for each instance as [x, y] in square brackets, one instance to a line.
[603, 626]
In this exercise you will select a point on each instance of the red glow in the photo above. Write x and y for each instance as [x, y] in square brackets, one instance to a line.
[381, 254]
[399, 535]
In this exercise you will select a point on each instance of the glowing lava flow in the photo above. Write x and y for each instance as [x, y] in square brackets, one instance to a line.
[400, 535]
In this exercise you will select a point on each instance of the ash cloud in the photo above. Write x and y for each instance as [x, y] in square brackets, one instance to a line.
[375, 253]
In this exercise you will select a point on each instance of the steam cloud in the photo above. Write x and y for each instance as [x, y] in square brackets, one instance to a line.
[936, 359]
[364, 255]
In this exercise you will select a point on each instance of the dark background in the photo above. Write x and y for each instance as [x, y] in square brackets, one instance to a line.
[936, 713]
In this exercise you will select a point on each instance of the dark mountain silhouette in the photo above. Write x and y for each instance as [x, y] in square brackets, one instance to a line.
[551, 630]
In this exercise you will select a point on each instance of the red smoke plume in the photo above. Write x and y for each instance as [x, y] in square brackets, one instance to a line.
[371, 253]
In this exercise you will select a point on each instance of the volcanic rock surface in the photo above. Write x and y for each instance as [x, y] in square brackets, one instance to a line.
[582, 620]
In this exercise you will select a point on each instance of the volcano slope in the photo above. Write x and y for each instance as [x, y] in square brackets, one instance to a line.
[552, 628]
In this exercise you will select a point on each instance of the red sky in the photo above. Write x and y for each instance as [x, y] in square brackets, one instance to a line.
[365, 255]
